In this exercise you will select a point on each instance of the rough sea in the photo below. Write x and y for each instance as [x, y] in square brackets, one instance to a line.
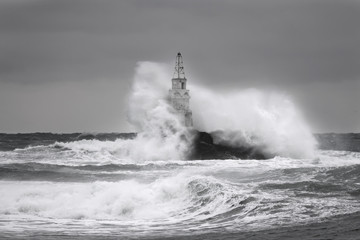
[74, 186]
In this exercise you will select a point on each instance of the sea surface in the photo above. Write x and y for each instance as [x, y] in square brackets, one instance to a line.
[78, 186]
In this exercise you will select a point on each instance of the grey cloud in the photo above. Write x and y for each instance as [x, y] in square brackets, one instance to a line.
[281, 44]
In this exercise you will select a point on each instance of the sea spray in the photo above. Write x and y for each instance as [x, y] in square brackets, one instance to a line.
[266, 120]
[253, 118]
[161, 133]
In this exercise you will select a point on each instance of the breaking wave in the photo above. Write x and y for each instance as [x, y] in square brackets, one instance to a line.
[269, 121]
[180, 195]
[161, 134]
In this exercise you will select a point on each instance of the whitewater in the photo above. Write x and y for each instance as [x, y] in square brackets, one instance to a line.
[142, 186]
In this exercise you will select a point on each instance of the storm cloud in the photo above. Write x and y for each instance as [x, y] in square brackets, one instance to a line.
[67, 65]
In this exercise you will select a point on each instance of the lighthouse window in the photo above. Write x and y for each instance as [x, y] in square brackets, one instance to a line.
[182, 85]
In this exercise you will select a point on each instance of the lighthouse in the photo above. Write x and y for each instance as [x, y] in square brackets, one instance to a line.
[179, 95]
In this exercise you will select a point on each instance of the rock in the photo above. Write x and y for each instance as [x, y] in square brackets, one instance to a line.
[204, 148]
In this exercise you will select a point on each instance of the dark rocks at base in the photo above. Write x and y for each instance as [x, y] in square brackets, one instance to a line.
[204, 148]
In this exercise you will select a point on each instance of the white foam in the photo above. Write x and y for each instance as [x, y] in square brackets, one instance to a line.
[253, 117]
[193, 194]
[165, 199]
[161, 134]
[246, 117]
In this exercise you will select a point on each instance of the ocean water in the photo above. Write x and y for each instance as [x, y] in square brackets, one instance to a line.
[72, 186]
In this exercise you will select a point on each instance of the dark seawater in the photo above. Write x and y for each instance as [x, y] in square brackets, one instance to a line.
[85, 186]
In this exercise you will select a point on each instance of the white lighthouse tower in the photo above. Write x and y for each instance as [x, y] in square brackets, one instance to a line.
[179, 95]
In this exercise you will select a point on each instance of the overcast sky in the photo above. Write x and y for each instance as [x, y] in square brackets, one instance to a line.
[67, 65]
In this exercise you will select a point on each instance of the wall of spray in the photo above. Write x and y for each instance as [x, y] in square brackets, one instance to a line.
[161, 134]
[246, 117]
[252, 117]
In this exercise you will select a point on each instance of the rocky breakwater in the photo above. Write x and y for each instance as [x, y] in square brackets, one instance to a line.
[205, 148]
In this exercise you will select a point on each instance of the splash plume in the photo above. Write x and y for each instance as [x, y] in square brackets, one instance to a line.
[245, 118]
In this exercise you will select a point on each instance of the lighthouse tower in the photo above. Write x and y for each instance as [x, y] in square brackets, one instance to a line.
[179, 95]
